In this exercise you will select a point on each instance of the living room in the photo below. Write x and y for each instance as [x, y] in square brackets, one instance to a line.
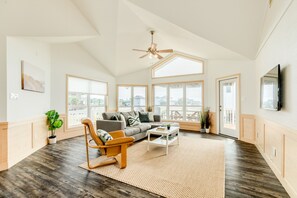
[79, 45]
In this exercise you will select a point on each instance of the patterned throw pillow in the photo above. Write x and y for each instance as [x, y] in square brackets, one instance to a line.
[133, 121]
[115, 117]
[103, 135]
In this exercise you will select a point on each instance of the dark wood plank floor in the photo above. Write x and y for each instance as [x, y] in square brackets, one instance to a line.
[53, 172]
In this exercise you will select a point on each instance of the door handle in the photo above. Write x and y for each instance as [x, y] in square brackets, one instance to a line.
[220, 108]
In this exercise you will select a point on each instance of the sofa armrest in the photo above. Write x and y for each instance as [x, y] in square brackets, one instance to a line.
[157, 118]
[110, 125]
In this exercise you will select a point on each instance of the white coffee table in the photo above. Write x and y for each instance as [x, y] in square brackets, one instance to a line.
[163, 142]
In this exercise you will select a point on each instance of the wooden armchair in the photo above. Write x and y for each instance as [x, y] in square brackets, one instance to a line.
[111, 149]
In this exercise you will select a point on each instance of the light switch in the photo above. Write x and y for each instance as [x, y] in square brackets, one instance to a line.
[14, 96]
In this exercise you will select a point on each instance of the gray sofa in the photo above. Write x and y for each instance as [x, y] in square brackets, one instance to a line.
[138, 132]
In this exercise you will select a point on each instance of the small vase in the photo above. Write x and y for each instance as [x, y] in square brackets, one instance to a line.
[168, 127]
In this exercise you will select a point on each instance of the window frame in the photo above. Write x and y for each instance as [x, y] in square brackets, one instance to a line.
[89, 106]
[162, 63]
[184, 107]
[132, 95]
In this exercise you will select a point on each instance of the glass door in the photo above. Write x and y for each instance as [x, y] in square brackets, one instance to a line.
[228, 108]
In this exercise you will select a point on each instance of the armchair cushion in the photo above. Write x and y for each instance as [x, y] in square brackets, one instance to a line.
[104, 136]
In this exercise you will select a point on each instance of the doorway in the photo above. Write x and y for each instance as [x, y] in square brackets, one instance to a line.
[229, 107]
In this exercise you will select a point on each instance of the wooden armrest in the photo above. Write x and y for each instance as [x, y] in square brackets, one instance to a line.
[117, 134]
[118, 141]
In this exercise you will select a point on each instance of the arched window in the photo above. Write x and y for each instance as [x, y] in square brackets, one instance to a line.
[177, 65]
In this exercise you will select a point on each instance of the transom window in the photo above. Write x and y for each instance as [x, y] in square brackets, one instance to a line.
[132, 98]
[86, 98]
[178, 66]
[179, 101]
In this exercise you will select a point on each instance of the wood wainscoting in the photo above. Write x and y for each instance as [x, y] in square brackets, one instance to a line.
[3, 146]
[20, 139]
[247, 128]
[278, 146]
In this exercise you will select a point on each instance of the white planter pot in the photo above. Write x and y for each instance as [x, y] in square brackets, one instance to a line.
[52, 140]
[207, 130]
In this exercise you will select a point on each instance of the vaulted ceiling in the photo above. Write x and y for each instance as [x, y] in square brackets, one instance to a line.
[210, 29]
[109, 29]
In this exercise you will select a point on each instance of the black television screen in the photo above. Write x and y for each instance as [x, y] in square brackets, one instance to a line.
[271, 90]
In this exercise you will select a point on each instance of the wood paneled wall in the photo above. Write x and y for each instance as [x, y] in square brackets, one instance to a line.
[3, 146]
[20, 139]
[247, 128]
[278, 145]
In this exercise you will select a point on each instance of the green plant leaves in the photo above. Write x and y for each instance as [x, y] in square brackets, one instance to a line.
[53, 120]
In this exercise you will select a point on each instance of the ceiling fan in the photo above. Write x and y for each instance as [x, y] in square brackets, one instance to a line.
[152, 50]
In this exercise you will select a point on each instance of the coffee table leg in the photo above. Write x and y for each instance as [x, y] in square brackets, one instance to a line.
[167, 144]
[148, 141]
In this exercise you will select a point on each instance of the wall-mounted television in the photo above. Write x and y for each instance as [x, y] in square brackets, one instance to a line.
[271, 90]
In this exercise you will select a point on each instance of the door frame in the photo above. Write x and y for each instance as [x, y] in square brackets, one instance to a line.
[238, 125]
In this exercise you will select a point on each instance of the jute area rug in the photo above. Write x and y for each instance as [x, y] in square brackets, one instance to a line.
[194, 168]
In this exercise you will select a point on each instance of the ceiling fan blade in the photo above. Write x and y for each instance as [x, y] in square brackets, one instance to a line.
[159, 56]
[144, 55]
[139, 50]
[165, 51]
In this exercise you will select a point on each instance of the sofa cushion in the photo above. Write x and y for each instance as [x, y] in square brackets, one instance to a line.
[123, 119]
[108, 115]
[129, 131]
[133, 121]
[127, 114]
[144, 117]
[151, 116]
[116, 117]
[144, 127]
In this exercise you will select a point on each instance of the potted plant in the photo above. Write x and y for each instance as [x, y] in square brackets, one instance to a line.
[53, 123]
[207, 121]
[202, 122]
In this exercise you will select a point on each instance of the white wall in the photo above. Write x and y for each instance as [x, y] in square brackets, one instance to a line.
[213, 69]
[281, 48]
[3, 87]
[29, 104]
[71, 59]
[222, 68]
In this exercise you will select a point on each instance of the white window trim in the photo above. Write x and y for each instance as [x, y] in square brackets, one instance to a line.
[167, 59]
[88, 107]
[184, 107]
[132, 95]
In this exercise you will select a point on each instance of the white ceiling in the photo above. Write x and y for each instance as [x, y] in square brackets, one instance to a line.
[109, 29]
[210, 29]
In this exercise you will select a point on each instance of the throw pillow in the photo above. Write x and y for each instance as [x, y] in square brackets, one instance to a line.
[133, 121]
[103, 135]
[144, 117]
[124, 120]
[151, 116]
[115, 117]
[127, 114]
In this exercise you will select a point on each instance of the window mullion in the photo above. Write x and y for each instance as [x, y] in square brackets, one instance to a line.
[184, 102]
[168, 103]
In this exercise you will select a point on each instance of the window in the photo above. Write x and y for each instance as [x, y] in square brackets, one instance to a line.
[179, 101]
[132, 98]
[178, 66]
[86, 98]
